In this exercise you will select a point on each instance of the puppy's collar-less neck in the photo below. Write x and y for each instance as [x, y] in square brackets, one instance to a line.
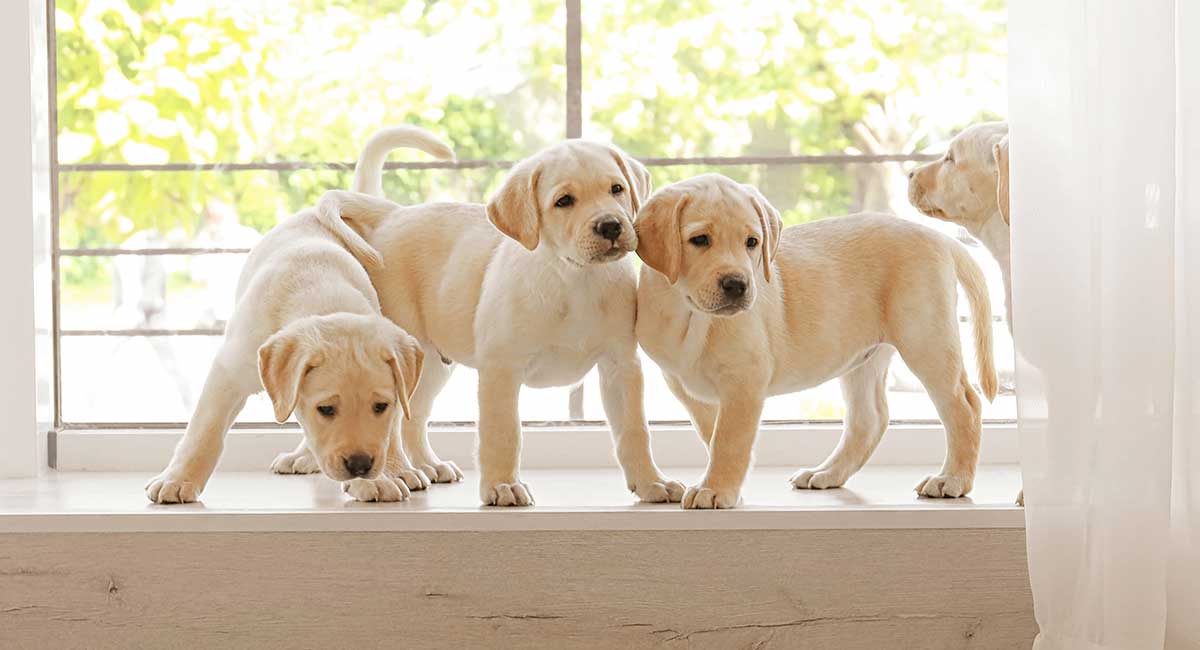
[995, 236]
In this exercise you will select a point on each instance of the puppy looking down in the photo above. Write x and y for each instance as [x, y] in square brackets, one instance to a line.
[531, 289]
[735, 309]
[307, 327]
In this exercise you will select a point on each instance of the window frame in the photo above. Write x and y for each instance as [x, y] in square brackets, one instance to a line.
[25, 332]
[573, 33]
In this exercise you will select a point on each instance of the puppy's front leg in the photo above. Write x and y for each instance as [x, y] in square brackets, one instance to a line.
[500, 439]
[621, 391]
[729, 451]
[196, 455]
[398, 465]
[299, 461]
[384, 489]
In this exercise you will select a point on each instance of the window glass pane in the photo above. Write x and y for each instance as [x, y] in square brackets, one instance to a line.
[140, 379]
[235, 80]
[158, 378]
[176, 292]
[157, 209]
[725, 77]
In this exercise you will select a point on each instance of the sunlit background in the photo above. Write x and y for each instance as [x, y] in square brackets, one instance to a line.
[154, 82]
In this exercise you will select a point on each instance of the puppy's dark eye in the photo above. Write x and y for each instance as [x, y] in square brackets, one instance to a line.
[752, 242]
[699, 240]
[565, 201]
[949, 157]
[327, 411]
[380, 407]
[617, 188]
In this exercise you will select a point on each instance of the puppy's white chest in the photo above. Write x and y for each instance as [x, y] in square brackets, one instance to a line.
[682, 352]
[569, 342]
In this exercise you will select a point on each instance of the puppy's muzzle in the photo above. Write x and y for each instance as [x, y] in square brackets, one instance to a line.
[613, 238]
[735, 289]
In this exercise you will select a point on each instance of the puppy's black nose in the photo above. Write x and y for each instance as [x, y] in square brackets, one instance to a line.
[733, 286]
[359, 464]
[912, 173]
[609, 229]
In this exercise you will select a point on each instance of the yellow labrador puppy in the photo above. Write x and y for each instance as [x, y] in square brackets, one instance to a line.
[969, 187]
[736, 309]
[307, 327]
[531, 289]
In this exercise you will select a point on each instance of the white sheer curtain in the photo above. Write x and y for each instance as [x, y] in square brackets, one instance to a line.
[1105, 183]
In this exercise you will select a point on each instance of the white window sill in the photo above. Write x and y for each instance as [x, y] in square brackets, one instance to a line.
[878, 497]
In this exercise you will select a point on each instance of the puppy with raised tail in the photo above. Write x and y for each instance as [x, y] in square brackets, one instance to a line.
[735, 309]
[969, 187]
[307, 327]
[532, 289]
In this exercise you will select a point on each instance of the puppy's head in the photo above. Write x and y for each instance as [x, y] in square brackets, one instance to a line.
[347, 378]
[576, 198]
[709, 235]
[970, 183]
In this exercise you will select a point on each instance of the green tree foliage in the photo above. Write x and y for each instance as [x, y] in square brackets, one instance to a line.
[182, 81]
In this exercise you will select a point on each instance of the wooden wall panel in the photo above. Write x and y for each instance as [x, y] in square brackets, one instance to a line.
[961, 588]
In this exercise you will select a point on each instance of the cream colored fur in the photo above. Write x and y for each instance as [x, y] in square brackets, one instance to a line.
[307, 327]
[969, 186]
[830, 299]
[526, 290]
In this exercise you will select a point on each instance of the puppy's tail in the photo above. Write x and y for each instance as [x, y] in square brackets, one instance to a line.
[351, 216]
[368, 174]
[975, 286]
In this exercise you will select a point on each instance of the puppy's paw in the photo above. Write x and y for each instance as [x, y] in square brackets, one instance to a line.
[413, 478]
[702, 497]
[513, 493]
[295, 463]
[658, 489]
[440, 471]
[171, 488]
[1021, 498]
[949, 486]
[818, 479]
[382, 489]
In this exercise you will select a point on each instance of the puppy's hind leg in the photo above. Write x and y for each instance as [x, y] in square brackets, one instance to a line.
[434, 375]
[865, 394]
[621, 391]
[936, 360]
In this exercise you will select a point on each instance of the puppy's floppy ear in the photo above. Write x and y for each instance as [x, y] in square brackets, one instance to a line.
[660, 243]
[406, 359]
[1000, 155]
[637, 179]
[282, 363]
[515, 210]
[771, 224]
